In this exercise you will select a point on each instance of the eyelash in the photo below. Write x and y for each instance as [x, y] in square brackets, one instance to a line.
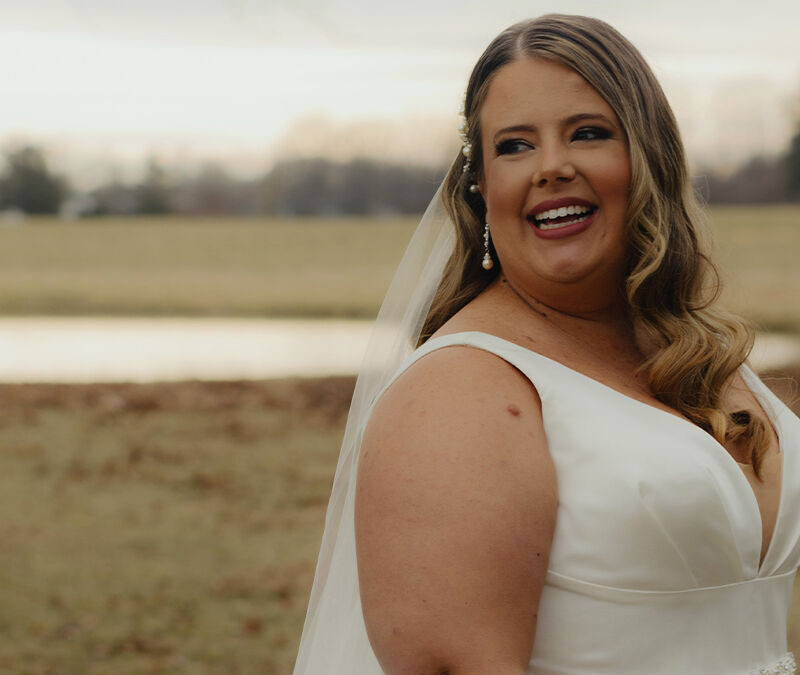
[510, 146]
[599, 133]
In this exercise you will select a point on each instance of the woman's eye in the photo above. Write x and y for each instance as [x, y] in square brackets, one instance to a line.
[511, 147]
[591, 134]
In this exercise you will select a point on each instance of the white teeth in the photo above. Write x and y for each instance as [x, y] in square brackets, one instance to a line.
[561, 212]
[555, 226]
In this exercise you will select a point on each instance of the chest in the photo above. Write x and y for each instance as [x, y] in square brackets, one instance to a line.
[648, 500]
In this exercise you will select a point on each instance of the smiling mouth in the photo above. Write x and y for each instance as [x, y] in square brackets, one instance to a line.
[564, 216]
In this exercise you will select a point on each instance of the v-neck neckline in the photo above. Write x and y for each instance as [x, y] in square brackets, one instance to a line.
[750, 381]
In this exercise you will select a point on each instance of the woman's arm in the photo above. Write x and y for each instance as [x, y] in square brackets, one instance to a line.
[455, 510]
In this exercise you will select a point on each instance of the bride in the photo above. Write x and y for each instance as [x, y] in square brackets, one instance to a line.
[574, 471]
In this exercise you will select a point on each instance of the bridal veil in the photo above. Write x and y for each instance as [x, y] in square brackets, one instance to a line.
[334, 635]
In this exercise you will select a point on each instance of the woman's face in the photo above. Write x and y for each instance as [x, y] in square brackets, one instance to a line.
[555, 180]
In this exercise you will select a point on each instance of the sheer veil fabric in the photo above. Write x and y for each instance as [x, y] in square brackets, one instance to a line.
[334, 635]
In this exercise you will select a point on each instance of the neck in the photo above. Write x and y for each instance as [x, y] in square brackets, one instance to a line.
[583, 311]
[606, 331]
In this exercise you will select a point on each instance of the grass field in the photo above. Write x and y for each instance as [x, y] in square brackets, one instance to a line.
[253, 267]
[172, 266]
[167, 528]
[759, 257]
[162, 528]
[174, 528]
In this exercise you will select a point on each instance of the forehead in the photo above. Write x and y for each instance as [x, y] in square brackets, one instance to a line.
[535, 90]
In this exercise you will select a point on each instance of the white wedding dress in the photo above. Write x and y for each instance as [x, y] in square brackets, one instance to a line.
[654, 567]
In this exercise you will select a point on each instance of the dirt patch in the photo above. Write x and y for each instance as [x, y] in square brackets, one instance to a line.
[327, 398]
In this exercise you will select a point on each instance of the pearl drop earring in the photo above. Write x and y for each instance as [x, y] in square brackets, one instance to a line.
[487, 263]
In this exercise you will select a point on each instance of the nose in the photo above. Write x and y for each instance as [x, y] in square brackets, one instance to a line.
[554, 165]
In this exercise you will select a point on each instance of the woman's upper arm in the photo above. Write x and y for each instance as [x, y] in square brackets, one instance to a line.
[455, 510]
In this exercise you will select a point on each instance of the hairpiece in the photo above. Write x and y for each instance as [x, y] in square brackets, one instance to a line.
[466, 148]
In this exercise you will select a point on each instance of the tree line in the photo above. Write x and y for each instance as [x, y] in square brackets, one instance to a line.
[313, 187]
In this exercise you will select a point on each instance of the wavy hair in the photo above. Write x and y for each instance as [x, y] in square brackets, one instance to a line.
[672, 285]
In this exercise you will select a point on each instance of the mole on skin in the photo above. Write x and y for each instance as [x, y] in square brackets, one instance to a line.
[513, 410]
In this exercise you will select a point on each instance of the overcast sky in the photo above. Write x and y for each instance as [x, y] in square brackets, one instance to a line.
[251, 80]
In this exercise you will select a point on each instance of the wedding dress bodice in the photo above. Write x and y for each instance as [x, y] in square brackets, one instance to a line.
[655, 562]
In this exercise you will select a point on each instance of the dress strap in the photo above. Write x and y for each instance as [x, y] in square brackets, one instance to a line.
[521, 358]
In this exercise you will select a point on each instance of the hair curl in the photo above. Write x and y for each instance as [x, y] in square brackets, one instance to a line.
[672, 284]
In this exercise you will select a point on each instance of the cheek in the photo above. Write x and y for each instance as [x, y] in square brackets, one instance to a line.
[615, 180]
[505, 188]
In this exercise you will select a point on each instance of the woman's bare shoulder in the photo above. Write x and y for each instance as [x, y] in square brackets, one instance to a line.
[455, 507]
[452, 379]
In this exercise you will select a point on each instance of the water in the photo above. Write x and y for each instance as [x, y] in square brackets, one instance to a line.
[144, 350]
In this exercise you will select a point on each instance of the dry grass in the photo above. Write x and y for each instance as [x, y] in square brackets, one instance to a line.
[281, 267]
[758, 251]
[174, 528]
[162, 528]
[168, 528]
[197, 267]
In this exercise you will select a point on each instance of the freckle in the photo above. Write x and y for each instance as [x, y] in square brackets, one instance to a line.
[513, 410]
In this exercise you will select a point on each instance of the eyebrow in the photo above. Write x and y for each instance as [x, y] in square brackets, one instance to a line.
[572, 119]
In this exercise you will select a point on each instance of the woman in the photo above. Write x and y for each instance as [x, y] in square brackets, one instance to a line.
[575, 472]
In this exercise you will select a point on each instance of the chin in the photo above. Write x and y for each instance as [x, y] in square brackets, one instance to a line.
[568, 273]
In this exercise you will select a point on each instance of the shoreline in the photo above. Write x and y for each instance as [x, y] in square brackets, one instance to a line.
[324, 399]
[138, 349]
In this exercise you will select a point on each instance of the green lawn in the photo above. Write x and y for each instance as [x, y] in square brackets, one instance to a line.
[283, 267]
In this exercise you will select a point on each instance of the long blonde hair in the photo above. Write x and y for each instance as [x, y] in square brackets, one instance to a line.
[671, 283]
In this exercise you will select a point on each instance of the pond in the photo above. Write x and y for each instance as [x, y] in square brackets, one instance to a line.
[54, 349]
[49, 349]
